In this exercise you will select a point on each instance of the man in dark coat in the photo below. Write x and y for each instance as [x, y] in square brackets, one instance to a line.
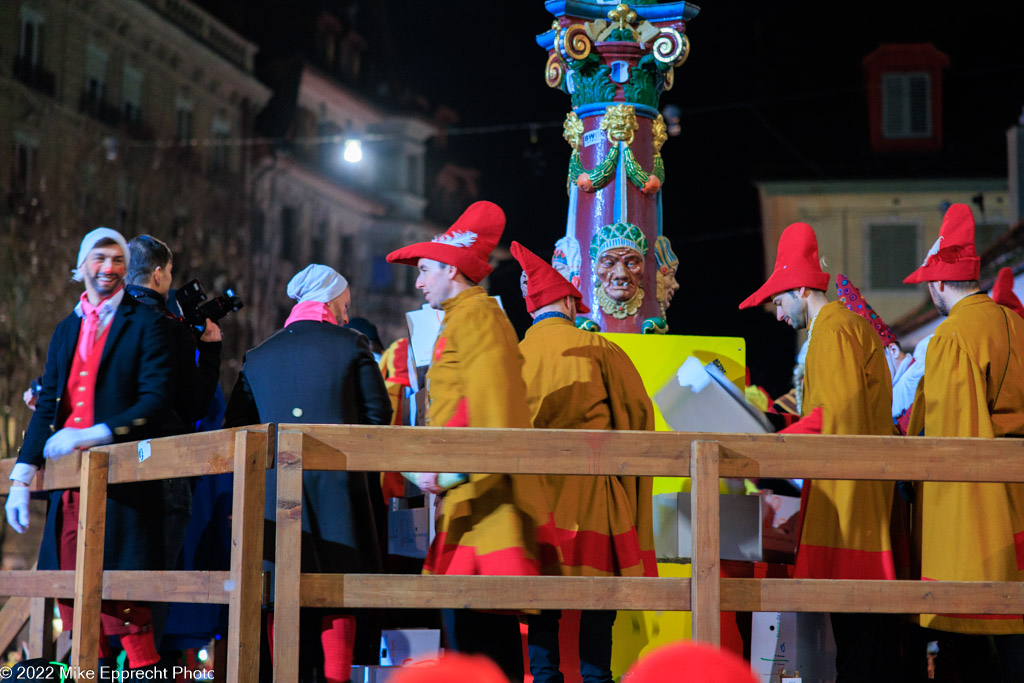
[107, 379]
[195, 375]
[195, 379]
[315, 371]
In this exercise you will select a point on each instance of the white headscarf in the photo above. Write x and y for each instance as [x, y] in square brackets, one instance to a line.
[89, 242]
[317, 283]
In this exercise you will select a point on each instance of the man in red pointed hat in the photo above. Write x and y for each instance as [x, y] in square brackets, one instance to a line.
[1002, 291]
[846, 390]
[475, 380]
[580, 380]
[973, 386]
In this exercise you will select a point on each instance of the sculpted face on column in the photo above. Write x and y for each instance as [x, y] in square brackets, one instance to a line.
[620, 272]
[617, 255]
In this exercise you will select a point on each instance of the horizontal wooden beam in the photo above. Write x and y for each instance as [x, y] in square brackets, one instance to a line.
[150, 586]
[43, 583]
[167, 586]
[550, 451]
[872, 457]
[188, 455]
[493, 592]
[890, 597]
[532, 451]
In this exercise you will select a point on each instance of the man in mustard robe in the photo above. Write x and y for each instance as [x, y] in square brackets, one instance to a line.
[973, 386]
[475, 380]
[580, 380]
[847, 390]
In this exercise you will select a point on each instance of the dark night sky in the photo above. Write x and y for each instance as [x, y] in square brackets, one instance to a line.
[771, 91]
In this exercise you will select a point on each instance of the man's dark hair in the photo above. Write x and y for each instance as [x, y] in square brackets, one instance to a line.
[960, 286]
[147, 254]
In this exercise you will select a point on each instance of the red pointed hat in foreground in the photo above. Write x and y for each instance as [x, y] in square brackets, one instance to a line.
[851, 297]
[796, 265]
[685, 661]
[953, 256]
[467, 244]
[1002, 292]
[544, 284]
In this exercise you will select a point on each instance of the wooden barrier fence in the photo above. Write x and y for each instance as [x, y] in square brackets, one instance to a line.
[704, 457]
[243, 452]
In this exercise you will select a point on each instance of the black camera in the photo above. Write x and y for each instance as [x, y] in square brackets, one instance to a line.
[196, 308]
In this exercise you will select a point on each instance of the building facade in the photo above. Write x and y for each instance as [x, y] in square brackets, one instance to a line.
[344, 187]
[876, 232]
[123, 113]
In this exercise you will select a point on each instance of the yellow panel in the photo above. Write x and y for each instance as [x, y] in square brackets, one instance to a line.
[658, 356]
[637, 633]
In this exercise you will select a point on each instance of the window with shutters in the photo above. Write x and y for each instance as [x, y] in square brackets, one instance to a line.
[95, 75]
[31, 38]
[906, 106]
[131, 94]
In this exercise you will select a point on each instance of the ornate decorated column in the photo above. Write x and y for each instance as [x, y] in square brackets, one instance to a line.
[614, 61]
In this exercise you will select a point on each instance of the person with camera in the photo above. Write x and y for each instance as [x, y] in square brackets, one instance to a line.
[195, 375]
[149, 280]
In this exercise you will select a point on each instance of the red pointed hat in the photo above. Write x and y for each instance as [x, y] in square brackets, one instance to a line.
[544, 284]
[467, 245]
[953, 256]
[1002, 292]
[687, 661]
[796, 266]
[851, 297]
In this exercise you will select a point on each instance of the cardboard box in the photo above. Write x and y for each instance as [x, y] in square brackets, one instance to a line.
[403, 646]
[373, 674]
[700, 398]
[787, 642]
[409, 532]
[740, 526]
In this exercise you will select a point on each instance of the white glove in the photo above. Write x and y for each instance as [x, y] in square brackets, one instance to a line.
[17, 508]
[68, 439]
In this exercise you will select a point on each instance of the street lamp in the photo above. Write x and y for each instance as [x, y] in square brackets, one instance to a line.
[353, 152]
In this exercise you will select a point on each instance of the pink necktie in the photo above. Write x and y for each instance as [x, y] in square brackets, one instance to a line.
[91, 323]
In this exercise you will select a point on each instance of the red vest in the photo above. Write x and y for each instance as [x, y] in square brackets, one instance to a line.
[80, 393]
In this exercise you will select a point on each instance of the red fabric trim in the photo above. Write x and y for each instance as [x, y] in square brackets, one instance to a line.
[393, 485]
[603, 552]
[449, 559]
[1018, 545]
[461, 416]
[401, 362]
[809, 424]
[822, 562]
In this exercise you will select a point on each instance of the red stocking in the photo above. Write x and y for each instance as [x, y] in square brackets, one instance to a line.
[270, 635]
[338, 637]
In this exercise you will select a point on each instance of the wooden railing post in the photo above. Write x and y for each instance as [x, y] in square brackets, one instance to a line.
[246, 554]
[92, 522]
[288, 557]
[705, 587]
[40, 629]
